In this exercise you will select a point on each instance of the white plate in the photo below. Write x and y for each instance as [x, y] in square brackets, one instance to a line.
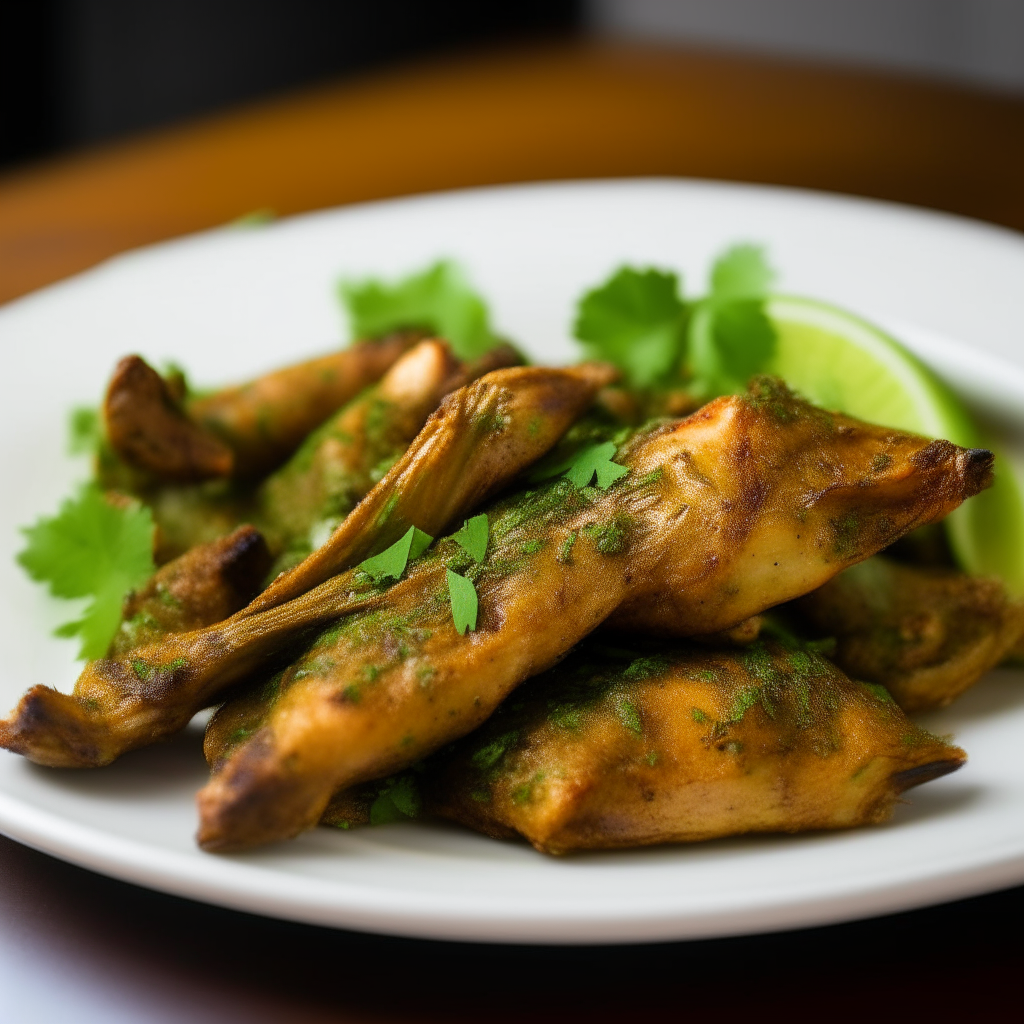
[229, 303]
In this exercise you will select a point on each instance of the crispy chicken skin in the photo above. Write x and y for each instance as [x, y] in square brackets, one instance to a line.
[480, 438]
[339, 463]
[332, 470]
[926, 634]
[203, 586]
[476, 442]
[264, 421]
[241, 431]
[750, 502]
[607, 751]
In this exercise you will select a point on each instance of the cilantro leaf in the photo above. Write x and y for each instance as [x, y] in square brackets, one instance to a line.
[581, 467]
[634, 320]
[472, 538]
[464, 602]
[391, 562]
[730, 337]
[742, 272]
[420, 542]
[595, 460]
[438, 299]
[638, 321]
[729, 344]
[91, 549]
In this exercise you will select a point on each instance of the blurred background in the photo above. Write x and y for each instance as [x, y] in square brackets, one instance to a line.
[75, 72]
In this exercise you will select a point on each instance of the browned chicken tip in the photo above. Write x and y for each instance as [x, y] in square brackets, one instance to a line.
[204, 586]
[242, 431]
[264, 421]
[148, 428]
[750, 502]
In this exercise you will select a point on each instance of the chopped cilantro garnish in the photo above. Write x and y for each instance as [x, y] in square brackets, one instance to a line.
[438, 299]
[391, 562]
[639, 321]
[464, 602]
[472, 538]
[595, 460]
[635, 320]
[91, 548]
[580, 468]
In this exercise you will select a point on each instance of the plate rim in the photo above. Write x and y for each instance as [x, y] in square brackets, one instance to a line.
[172, 872]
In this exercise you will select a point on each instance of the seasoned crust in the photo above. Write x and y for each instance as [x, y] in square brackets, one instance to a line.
[149, 430]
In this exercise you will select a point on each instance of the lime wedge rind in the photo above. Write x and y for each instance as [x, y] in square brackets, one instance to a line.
[842, 362]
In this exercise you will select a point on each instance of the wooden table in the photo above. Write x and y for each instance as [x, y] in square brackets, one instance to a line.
[579, 110]
[564, 111]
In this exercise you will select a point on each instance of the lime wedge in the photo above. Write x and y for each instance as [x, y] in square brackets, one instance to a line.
[844, 363]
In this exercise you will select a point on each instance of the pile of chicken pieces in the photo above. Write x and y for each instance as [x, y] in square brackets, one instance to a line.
[721, 641]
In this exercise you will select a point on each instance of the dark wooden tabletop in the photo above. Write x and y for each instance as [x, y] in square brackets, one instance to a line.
[111, 951]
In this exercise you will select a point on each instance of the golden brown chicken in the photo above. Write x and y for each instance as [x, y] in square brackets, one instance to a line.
[203, 586]
[300, 505]
[480, 438]
[750, 502]
[614, 749]
[242, 431]
[327, 476]
[925, 633]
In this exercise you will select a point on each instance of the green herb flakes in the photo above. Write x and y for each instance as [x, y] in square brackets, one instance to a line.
[581, 468]
[398, 799]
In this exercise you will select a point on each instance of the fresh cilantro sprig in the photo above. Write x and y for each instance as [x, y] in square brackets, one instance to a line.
[730, 336]
[438, 299]
[93, 549]
[391, 562]
[639, 321]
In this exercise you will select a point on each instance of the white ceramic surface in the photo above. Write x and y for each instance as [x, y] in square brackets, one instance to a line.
[230, 303]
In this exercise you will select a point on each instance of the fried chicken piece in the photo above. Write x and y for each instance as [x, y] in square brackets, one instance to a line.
[477, 441]
[750, 502]
[679, 746]
[147, 427]
[203, 586]
[333, 469]
[302, 503]
[926, 634]
[242, 431]
[264, 421]
[480, 438]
